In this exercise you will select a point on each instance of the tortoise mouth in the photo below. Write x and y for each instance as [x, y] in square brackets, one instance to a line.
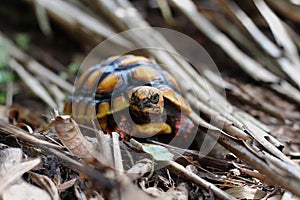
[146, 109]
[146, 114]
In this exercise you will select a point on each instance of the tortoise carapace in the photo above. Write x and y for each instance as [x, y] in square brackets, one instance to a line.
[131, 95]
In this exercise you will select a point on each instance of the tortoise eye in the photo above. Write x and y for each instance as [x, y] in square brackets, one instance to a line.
[155, 98]
[134, 97]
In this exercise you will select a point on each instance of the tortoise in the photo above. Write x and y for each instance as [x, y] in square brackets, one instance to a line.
[133, 96]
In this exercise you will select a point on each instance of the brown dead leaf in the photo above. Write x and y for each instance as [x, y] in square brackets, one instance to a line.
[66, 185]
[11, 169]
[25, 191]
[19, 114]
[246, 193]
[46, 183]
[180, 192]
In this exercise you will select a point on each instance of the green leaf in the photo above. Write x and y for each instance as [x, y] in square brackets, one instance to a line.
[6, 76]
[159, 153]
[2, 97]
[22, 41]
[63, 75]
[4, 55]
[73, 67]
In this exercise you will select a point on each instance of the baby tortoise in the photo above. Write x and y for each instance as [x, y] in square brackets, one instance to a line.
[133, 96]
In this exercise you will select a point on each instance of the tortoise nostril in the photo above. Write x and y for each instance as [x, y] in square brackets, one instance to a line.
[143, 104]
[146, 103]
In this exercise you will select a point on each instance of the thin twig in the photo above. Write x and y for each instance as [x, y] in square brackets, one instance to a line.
[200, 181]
[20, 134]
[117, 153]
[34, 67]
[32, 83]
[77, 20]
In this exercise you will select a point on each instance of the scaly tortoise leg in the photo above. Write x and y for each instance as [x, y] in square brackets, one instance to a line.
[148, 130]
[182, 126]
[184, 130]
[123, 128]
[127, 129]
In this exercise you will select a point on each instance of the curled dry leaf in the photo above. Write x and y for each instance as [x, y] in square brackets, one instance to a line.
[64, 186]
[70, 135]
[46, 183]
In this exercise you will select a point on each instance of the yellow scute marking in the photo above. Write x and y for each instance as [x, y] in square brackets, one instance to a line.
[145, 73]
[103, 110]
[92, 80]
[132, 60]
[108, 83]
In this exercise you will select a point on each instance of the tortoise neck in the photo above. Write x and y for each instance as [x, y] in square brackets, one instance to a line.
[146, 118]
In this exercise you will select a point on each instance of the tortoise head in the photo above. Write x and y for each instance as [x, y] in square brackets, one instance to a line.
[145, 101]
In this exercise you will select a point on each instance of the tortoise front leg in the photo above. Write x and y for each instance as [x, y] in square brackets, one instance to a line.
[127, 128]
[123, 127]
[148, 130]
[185, 131]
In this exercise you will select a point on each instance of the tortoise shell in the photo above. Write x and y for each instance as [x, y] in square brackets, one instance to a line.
[106, 89]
